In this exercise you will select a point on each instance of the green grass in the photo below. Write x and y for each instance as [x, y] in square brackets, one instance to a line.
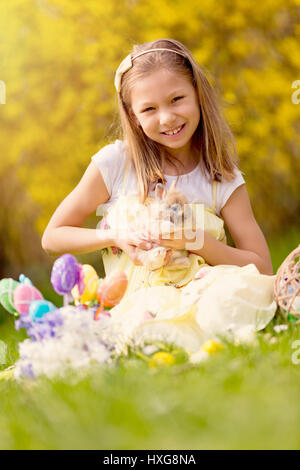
[245, 397]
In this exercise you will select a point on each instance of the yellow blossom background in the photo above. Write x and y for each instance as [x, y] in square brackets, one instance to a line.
[57, 60]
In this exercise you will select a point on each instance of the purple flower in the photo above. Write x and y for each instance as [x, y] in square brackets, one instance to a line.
[41, 328]
[24, 321]
[27, 371]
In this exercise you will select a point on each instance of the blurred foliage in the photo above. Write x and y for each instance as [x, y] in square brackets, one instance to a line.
[57, 59]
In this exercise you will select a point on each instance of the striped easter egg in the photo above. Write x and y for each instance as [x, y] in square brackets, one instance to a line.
[23, 296]
[7, 288]
[65, 274]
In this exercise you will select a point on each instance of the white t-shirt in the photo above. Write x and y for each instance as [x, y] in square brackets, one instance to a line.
[111, 161]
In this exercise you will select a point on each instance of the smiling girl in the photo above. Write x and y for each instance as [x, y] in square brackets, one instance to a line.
[173, 130]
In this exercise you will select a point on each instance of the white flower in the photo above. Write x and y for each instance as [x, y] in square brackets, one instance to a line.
[279, 328]
[79, 342]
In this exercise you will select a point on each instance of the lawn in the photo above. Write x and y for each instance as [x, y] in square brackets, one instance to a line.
[245, 397]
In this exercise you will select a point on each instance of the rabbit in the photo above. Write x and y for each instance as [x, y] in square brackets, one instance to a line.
[169, 210]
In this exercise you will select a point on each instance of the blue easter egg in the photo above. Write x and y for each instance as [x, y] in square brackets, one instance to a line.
[38, 308]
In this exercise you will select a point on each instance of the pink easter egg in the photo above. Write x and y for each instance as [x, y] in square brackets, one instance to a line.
[23, 296]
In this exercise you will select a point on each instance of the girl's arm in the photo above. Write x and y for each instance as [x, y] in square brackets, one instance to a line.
[251, 246]
[64, 233]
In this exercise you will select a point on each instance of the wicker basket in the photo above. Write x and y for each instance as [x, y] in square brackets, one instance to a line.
[287, 286]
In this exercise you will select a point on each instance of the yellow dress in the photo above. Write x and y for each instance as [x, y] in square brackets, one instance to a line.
[177, 307]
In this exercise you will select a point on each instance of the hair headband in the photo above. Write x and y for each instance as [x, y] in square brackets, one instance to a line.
[127, 63]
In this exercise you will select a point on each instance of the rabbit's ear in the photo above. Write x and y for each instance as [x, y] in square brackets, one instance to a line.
[173, 186]
[159, 191]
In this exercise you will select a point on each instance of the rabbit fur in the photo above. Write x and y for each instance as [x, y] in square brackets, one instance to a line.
[169, 210]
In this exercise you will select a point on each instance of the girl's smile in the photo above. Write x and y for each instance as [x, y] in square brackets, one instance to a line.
[174, 132]
[165, 105]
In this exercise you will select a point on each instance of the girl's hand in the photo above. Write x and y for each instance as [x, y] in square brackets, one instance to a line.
[130, 244]
[177, 240]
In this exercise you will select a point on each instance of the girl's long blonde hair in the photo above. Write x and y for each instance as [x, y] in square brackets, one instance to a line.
[213, 139]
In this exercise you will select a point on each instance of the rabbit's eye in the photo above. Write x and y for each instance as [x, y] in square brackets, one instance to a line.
[175, 207]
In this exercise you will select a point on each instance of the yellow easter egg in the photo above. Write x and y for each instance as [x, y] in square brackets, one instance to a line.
[90, 281]
[211, 346]
[162, 358]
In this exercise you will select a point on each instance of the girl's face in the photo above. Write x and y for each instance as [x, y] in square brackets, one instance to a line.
[165, 104]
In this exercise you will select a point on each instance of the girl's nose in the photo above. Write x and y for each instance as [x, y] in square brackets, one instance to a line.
[166, 119]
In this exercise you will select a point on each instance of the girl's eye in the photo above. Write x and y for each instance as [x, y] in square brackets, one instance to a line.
[151, 108]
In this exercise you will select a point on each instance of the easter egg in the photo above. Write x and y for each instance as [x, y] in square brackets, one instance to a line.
[212, 346]
[65, 274]
[162, 358]
[23, 296]
[90, 283]
[38, 308]
[112, 289]
[7, 288]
